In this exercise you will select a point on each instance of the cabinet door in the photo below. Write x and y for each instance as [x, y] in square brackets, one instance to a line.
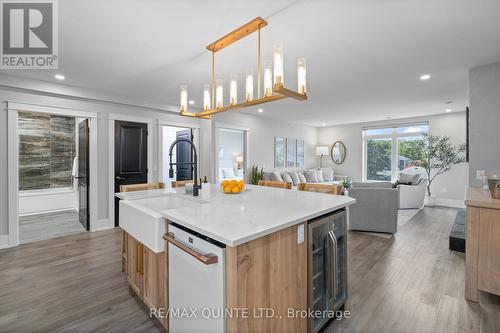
[489, 251]
[134, 265]
[155, 281]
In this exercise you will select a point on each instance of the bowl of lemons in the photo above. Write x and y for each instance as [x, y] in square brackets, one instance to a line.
[232, 186]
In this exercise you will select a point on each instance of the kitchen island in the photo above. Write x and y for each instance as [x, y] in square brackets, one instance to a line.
[234, 262]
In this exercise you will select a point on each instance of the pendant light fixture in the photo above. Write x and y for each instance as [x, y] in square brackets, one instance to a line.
[272, 92]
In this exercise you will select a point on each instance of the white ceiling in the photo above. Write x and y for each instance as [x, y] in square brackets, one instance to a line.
[363, 57]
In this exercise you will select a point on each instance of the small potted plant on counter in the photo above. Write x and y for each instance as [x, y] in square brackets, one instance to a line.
[255, 174]
[346, 184]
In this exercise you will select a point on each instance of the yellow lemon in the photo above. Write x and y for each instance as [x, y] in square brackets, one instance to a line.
[227, 189]
[224, 183]
[233, 182]
[241, 184]
[236, 189]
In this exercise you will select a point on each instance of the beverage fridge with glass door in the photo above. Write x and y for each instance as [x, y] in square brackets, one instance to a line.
[327, 266]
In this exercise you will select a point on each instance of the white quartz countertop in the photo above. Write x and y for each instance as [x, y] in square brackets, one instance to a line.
[234, 219]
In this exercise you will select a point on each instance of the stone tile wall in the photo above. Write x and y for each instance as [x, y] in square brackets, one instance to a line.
[46, 150]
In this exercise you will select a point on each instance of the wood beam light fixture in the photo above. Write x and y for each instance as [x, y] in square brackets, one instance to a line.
[213, 93]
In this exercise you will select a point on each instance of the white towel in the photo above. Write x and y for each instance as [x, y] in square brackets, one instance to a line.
[74, 172]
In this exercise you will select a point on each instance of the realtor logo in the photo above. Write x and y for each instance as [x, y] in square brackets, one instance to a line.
[29, 34]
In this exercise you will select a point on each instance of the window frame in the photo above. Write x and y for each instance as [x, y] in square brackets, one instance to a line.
[394, 136]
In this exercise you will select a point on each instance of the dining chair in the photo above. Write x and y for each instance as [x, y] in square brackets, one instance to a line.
[272, 183]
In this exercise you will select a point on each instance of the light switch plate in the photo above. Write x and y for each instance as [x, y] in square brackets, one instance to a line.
[300, 234]
[479, 174]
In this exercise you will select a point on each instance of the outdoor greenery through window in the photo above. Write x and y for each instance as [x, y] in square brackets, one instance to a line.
[390, 150]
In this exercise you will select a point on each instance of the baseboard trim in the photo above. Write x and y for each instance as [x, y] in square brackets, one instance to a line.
[47, 211]
[445, 202]
[4, 242]
[103, 224]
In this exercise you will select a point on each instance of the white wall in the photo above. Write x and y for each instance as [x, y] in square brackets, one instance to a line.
[450, 185]
[261, 133]
[484, 120]
[103, 109]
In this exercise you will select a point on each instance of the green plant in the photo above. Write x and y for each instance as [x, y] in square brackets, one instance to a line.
[347, 183]
[440, 156]
[255, 174]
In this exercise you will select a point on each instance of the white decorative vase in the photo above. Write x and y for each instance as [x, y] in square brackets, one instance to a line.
[430, 200]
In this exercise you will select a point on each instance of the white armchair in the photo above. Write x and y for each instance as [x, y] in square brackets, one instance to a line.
[412, 196]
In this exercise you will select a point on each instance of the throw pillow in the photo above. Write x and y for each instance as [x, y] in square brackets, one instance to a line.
[276, 176]
[302, 178]
[228, 173]
[266, 175]
[295, 178]
[408, 178]
[327, 174]
[286, 177]
[319, 175]
[311, 176]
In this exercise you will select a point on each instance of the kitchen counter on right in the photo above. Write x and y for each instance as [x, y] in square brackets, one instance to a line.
[482, 247]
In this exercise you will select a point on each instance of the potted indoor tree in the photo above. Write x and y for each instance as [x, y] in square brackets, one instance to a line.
[440, 155]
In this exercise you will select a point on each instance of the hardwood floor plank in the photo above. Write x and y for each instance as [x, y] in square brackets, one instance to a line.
[409, 283]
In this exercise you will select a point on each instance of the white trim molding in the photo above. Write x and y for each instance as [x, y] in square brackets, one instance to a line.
[13, 160]
[4, 242]
[187, 125]
[50, 109]
[445, 202]
[246, 140]
[13, 176]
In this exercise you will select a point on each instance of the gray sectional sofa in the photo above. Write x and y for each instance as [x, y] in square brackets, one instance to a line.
[297, 176]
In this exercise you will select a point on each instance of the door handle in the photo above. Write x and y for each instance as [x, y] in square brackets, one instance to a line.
[335, 267]
[120, 178]
[207, 259]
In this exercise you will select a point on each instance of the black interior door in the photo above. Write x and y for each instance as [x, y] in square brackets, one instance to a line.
[131, 156]
[184, 154]
[83, 173]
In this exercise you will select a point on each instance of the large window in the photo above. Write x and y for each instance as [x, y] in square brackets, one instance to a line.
[390, 150]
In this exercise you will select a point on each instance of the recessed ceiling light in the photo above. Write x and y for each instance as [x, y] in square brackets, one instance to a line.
[425, 77]
[447, 110]
[260, 110]
[448, 102]
[59, 76]
[191, 102]
[323, 124]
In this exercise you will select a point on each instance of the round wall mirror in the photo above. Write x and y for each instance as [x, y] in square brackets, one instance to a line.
[338, 152]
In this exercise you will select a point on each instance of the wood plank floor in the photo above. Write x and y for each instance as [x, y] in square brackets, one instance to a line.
[410, 283]
[42, 226]
[413, 283]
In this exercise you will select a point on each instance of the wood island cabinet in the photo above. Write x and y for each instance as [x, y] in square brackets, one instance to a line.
[147, 274]
[482, 253]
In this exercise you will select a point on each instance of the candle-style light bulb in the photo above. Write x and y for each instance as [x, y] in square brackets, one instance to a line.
[219, 94]
[249, 85]
[301, 75]
[233, 90]
[206, 96]
[184, 98]
[268, 80]
[278, 65]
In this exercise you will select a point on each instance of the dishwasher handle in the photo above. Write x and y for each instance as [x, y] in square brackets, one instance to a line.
[207, 259]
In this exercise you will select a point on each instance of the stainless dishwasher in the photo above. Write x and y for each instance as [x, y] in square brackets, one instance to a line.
[327, 265]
